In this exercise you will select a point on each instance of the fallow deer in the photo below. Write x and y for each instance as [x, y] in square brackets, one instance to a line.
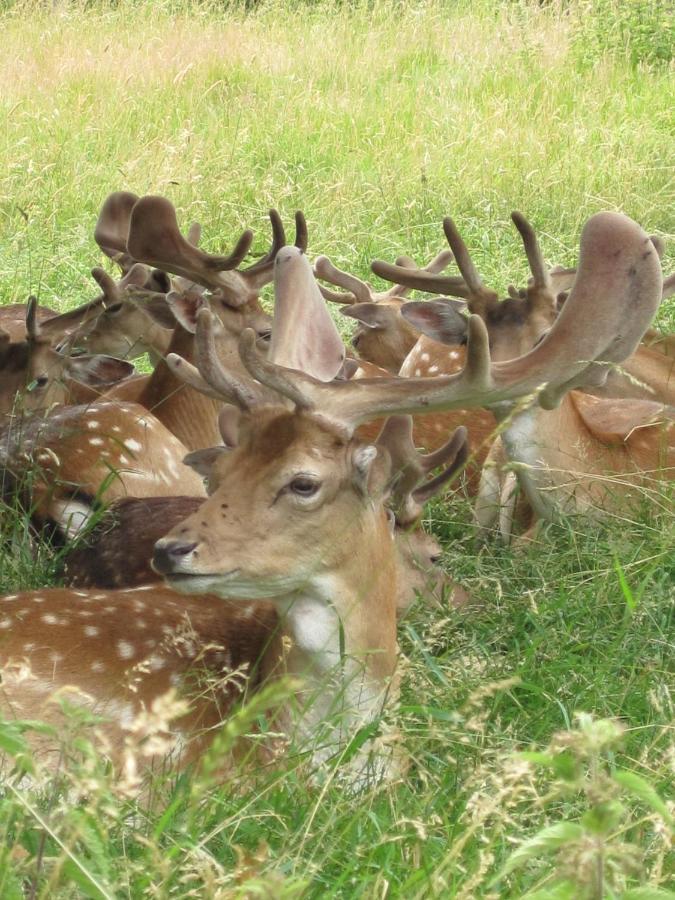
[585, 454]
[37, 377]
[382, 337]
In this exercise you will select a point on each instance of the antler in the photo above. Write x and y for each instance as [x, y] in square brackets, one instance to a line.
[154, 238]
[360, 291]
[410, 489]
[615, 295]
[480, 299]
[112, 227]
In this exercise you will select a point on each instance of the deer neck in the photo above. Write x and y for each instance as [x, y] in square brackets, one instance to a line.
[340, 637]
[190, 416]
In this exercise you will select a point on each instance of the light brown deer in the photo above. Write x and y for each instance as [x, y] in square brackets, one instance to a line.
[35, 377]
[589, 453]
[382, 337]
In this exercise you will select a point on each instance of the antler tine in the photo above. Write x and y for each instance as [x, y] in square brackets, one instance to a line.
[108, 285]
[437, 264]
[324, 268]
[112, 227]
[447, 452]
[301, 236]
[409, 467]
[266, 262]
[421, 279]
[538, 267]
[276, 377]
[188, 373]
[32, 326]
[457, 453]
[478, 296]
[226, 385]
[335, 297]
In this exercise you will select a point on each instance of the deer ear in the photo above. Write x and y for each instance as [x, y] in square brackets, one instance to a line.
[202, 461]
[613, 421]
[98, 371]
[442, 320]
[362, 460]
[372, 315]
[158, 309]
[304, 336]
[185, 308]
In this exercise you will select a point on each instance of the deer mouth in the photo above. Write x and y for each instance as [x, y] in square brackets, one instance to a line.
[197, 581]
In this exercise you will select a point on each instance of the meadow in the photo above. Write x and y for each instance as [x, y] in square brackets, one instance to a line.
[539, 723]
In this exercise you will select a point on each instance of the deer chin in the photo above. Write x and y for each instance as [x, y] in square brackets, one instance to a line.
[200, 583]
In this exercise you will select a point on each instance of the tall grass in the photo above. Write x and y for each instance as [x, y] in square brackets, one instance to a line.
[376, 119]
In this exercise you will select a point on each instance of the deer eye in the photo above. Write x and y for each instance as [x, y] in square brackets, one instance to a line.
[115, 308]
[39, 382]
[303, 486]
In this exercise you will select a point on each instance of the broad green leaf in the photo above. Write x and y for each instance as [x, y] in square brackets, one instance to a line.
[639, 787]
[545, 841]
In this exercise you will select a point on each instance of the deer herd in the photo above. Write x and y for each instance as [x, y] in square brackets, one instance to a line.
[253, 505]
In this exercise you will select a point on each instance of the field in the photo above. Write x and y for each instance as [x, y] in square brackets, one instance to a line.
[539, 723]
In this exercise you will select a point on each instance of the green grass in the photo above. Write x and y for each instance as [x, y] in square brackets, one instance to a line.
[377, 119]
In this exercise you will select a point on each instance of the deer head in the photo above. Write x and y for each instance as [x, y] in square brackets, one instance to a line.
[382, 336]
[40, 377]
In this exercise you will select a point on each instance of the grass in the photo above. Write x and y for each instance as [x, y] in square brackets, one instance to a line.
[376, 119]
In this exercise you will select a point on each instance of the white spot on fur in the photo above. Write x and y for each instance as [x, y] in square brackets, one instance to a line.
[97, 666]
[49, 619]
[132, 445]
[56, 657]
[96, 442]
[10, 597]
[424, 357]
[433, 370]
[155, 662]
[5, 623]
[418, 372]
[125, 650]
[93, 423]
[38, 599]
[92, 630]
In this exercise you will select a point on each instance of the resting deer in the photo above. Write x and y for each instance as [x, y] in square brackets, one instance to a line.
[36, 377]
[587, 453]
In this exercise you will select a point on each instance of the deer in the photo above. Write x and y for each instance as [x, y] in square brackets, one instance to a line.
[588, 453]
[123, 654]
[36, 377]
[299, 467]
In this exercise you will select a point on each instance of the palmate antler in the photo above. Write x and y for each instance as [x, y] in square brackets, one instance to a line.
[154, 238]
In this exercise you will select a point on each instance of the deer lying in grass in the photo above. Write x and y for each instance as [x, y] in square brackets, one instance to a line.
[296, 515]
[589, 452]
[35, 377]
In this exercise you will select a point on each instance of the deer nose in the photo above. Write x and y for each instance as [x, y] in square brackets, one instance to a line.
[169, 555]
